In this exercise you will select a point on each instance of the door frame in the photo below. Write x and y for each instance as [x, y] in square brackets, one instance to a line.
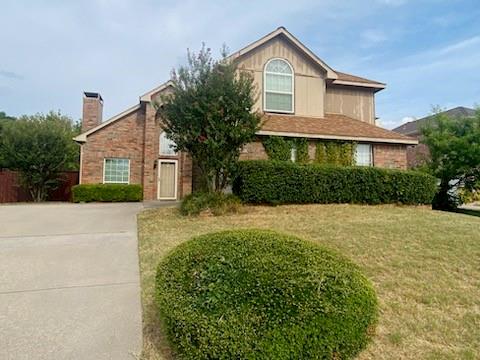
[171, 161]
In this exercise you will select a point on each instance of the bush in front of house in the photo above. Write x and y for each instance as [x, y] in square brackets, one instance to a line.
[271, 182]
[216, 203]
[107, 193]
[257, 294]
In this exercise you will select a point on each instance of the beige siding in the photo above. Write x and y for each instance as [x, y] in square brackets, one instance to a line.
[309, 78]
[353, 102]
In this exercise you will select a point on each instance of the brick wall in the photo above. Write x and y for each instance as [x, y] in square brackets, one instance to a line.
[253, 151]
[136, 137]
[390, 156]
[121, 139]
[417, 155]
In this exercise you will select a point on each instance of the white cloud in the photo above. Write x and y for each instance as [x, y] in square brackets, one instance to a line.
[372, 37]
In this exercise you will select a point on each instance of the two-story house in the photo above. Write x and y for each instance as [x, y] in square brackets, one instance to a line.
[300, 96]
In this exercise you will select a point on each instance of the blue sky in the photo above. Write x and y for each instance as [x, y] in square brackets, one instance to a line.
[427, 51]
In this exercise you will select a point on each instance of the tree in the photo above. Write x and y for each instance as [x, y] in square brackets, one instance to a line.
[4, 121]
[209, 115]
[454, 146]
[40, 147]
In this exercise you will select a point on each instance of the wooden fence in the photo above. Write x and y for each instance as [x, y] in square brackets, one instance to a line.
[12, 191]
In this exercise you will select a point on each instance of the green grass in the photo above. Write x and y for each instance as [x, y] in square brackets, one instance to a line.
[424, 266]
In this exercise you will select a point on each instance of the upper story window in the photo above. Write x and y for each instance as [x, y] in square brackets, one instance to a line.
[363, 155]
[167, 146]
[278, 86]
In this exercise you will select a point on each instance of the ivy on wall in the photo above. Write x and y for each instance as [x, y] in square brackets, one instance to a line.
[326, 152]
[335, 153]
[280, 148]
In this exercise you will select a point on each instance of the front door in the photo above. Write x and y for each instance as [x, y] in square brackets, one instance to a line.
[167, 179]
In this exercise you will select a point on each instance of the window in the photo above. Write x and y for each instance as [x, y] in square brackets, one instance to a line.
[278, 86]
[363, 155]
[293, 154]
[167, 146]
[116, 171]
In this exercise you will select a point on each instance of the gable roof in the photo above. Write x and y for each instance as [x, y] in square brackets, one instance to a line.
[148, 95]
[281, 31]
[413, 127]
[83, 136]
[143, 98]
[332, 126]
[334, 77]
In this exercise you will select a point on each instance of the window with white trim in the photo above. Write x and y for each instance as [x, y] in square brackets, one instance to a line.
[167, 146]
[278, 86]
[293, 154]
[116, 171]
[363, 155]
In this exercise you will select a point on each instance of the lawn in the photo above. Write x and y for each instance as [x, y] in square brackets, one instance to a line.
[425, 267]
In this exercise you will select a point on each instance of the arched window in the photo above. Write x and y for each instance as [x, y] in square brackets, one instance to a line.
[278, 86]
[167, 146]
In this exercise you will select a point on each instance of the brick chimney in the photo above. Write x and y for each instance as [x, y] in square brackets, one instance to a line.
[92, 110]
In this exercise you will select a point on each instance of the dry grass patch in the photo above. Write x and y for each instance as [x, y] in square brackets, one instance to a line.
[424, 266]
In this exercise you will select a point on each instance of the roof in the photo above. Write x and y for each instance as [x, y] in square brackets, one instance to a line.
[335, 77]
[348, 79]
[282, 31]
[332, 126]
[148, 95]
[413, 127]
[83, 136]
[145, 97]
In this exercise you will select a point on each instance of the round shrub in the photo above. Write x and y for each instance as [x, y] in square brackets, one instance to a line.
[256, 294]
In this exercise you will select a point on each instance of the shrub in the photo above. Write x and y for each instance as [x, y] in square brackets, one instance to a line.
[256, 294]
[107, 192]
[282, 182]
[213, 202]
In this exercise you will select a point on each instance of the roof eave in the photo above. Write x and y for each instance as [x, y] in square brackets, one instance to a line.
[147, 97]
[339, 137]
[83, 136]
[376, 86]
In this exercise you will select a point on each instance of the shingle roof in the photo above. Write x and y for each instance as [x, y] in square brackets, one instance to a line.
[413, 127]
[332, 126]
[353, 78]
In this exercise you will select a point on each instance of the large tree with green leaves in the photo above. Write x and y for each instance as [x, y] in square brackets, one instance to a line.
[209, 115]
[454, 146]
[40, 147]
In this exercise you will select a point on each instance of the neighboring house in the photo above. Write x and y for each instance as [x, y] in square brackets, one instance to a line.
[300, 96]
[417, 154]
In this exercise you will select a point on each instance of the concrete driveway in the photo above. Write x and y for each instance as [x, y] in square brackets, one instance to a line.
[69, 282]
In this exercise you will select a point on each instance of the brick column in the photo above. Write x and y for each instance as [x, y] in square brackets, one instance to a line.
[150, 152]
[185, 177]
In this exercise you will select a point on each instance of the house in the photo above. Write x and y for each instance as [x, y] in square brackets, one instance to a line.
[417, 154]
[300, 96]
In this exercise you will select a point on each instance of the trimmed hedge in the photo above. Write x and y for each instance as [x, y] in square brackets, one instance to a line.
[107, 192]
[272, 182]
[257, 294]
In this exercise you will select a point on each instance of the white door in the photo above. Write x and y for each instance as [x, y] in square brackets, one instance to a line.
[167, 179]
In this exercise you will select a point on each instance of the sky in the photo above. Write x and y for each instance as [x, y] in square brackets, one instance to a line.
[427, 51]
